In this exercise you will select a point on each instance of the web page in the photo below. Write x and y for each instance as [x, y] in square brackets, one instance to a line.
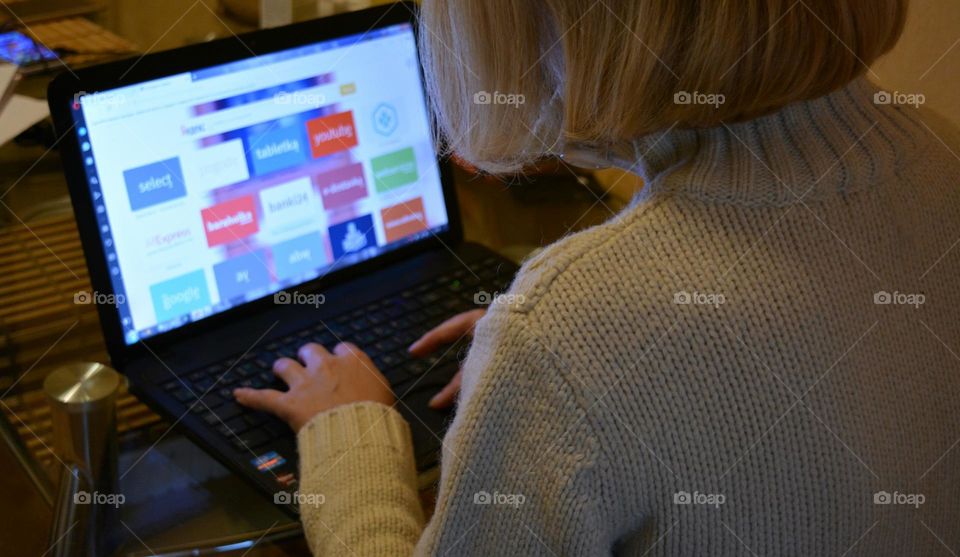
[224, 185]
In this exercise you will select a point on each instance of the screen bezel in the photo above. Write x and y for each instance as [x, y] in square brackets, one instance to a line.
[64, 88]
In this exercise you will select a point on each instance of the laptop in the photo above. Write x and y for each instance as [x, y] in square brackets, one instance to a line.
[240, 198]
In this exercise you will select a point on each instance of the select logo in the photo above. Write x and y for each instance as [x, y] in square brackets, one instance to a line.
[154, 183]
[332, 134]
[230, 221]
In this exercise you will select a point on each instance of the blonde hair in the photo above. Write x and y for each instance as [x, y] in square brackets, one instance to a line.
[512, 80]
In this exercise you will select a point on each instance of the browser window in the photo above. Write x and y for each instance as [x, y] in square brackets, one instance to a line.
[224, 185]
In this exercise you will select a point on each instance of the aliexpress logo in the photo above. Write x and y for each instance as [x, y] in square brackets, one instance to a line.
[165, 239]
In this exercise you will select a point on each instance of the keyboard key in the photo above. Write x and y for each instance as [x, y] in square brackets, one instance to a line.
[382, 346]
[250, 440]
[452, 305]
[416, 317]
[184, 395]
[275, 428]
[325, 339]
[229, 410]
[422, 288]
[238, 425]
[416, 367]
[247, 369]
[399, 324]
[394, 311]
[255, 419]
[366, 338]
[211, 400]
[396, 377]
[405, 339]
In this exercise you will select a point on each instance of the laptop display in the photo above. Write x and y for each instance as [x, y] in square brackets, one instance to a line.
[227, 184]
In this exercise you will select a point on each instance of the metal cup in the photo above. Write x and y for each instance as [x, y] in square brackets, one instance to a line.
[82, 400]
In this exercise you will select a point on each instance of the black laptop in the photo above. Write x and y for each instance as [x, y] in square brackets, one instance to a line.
[239, 198]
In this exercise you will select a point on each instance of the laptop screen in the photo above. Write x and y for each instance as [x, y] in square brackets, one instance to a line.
[230, 183]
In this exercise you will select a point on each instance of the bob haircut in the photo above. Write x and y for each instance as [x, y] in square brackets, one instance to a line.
[511, 81]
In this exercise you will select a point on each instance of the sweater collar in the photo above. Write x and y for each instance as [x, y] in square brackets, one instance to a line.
[836, 144]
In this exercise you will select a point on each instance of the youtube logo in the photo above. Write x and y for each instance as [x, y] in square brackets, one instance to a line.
[332, 134]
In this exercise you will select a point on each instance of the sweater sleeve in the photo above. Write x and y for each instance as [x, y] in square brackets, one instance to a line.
[518, 466]
[358, 484]
[520, 463]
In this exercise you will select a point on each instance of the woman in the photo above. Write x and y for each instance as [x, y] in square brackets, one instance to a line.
[758, 356]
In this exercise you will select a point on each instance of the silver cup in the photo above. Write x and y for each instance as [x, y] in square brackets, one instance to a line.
[82, 400]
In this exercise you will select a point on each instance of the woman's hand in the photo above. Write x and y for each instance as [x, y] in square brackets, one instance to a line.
[324, 381]
[449, 331]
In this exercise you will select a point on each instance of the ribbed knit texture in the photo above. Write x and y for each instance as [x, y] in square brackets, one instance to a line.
[719, 338]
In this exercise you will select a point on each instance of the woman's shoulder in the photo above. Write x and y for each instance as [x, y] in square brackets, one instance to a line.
[592, 260]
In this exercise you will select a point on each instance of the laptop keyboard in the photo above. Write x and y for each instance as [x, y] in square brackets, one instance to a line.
[383, 329]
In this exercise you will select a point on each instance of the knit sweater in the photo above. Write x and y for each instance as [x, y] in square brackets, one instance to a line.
[759, 356]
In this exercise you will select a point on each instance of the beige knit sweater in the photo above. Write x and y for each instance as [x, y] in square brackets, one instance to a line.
[757, 357]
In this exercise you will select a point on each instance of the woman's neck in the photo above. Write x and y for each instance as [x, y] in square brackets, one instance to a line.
[840, 143]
